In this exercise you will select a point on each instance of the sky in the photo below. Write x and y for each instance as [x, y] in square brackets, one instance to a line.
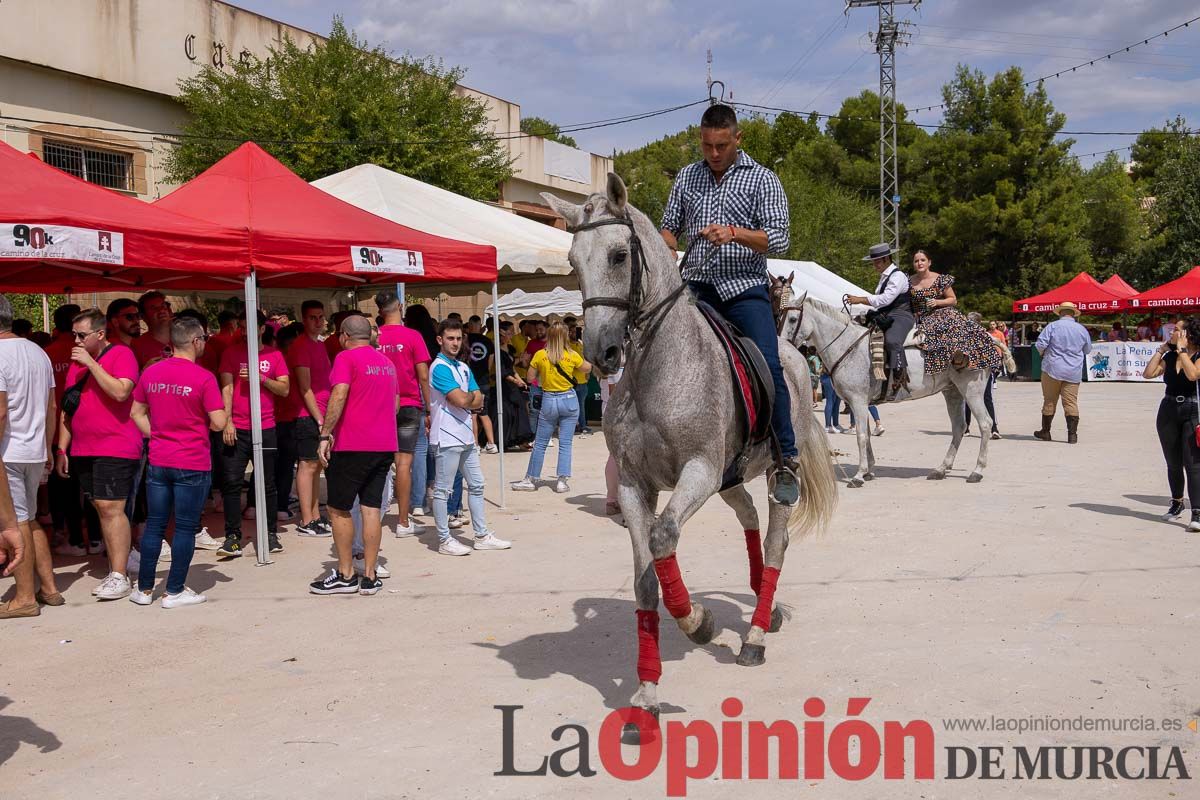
[574, 61]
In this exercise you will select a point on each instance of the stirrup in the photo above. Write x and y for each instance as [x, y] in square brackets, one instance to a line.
[784, 485]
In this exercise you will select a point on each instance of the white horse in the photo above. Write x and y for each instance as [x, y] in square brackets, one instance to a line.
[844, 348]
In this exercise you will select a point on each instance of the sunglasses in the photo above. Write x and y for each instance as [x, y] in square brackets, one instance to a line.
[79, 337]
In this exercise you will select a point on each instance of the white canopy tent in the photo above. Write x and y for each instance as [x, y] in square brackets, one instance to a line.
[529, 255]
[559, 302]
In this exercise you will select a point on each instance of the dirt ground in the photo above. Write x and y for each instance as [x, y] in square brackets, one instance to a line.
[1050, 590]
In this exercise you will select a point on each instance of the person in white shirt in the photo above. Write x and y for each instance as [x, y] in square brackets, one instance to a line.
[26, 403]
[891, 309]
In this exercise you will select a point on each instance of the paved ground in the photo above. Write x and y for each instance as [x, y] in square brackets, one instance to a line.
[1049, 590]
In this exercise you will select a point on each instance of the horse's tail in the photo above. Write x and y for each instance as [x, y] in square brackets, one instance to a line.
[819, 494]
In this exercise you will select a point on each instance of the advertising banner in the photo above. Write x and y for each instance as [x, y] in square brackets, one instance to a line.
[1119, 361]
[25, 240]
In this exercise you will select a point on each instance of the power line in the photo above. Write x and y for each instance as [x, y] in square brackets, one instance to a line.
[1090, 63]
[787, 75]
[499, 136]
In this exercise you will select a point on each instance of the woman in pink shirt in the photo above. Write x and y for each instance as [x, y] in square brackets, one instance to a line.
[176, 403]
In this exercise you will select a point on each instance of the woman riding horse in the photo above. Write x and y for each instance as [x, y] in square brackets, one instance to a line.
[951, 340]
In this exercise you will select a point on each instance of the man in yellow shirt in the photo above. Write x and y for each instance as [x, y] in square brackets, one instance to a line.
[521, 338]
[575, 344]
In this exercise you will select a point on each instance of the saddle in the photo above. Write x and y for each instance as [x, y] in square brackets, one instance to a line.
[753, 386]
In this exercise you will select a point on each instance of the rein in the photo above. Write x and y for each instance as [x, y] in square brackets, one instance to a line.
[637, 318]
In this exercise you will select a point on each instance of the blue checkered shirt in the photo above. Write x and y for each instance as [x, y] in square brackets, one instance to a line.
[748, 196]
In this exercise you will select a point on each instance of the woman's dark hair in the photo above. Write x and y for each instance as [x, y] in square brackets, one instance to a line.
[418, 318]
[287, 334]
[1191, 325]
[922, 253]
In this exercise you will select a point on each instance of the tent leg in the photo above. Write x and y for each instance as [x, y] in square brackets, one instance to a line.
[400, 293]
[261, 548]
[499, 386]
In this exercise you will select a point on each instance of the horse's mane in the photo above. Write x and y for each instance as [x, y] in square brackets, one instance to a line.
[826, 308]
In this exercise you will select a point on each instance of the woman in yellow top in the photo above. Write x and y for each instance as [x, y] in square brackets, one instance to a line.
[554, 367]
[581, 377]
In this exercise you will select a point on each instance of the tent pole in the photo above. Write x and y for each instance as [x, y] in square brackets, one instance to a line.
[45, 314]
[261, 550]
[499, 384]
[400, 293]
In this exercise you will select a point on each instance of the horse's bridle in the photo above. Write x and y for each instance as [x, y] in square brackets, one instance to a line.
[800, 321]
[636, 317]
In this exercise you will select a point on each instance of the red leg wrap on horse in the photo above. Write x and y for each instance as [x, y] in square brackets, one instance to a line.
[674, 593]
[766, 598]
[754, 551]
[649, 663]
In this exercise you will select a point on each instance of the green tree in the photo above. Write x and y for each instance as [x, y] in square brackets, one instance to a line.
[1174, 247]
[338, 104]
[536, 126]
[1114, 224]
[1155, 146]
[29, 306]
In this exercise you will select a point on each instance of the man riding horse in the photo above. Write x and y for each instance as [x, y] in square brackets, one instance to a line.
[891, 311]
[738, 205]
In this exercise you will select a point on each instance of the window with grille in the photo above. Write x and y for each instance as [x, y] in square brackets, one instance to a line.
[104, 167]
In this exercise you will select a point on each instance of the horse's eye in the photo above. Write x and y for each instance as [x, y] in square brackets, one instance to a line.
[619, 257]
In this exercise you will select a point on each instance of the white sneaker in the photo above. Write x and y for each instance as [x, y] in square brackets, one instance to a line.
[830, 429]
[417, 511]
[491, 449]
[106, 583]
[457, 521]
[142, 598]
[360, 567]
[68, 549]
[185, 598]
[453, 547]
[525, 485]
[403, 531]
[248, 513]
[490, 542]
[553, 442]
[115, 587]
[205, 541]
[562, 486]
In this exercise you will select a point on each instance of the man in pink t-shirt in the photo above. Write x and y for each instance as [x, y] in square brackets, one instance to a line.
[176, 403]
[358, 443]
[236, 450]
[406, 349]
[98, 442]
[308, 363]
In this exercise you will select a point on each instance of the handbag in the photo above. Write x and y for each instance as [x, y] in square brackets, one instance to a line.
[73, 395]
[1196, 431]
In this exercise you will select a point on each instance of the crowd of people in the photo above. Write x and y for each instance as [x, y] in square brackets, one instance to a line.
[128, 421]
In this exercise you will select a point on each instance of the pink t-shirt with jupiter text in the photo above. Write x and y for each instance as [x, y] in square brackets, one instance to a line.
[271, 364]
[368, 421]
[179, 394]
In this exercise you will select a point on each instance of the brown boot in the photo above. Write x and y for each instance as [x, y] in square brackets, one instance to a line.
[1072, 430]
[1044, 433]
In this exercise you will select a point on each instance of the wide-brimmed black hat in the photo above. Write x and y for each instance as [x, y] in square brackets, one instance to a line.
[883, 250]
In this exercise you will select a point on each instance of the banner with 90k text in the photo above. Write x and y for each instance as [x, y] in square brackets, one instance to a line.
[25, 240]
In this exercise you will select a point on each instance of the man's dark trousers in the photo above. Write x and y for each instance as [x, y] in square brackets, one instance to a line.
[751, 312]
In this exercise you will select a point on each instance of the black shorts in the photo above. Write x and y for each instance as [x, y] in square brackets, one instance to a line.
[307, 433]
[104, 477]
[408, 428]
[356, 475]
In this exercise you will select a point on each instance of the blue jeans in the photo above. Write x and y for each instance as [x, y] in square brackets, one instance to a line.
[455, 504]
[451, 461]
[751, 312]
[183, 491]
[560, 412]
[873, 411]
[581, 391]
[833, 403]
[389, 491]
[420, 471]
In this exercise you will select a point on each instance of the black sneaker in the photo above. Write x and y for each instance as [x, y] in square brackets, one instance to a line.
[232, 547]
[333, 583]
[273, 543]
[325, 523]
[1174, 512]
[369, 586]
[313, 529]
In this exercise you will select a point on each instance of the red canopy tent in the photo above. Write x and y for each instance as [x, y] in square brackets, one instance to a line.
[302, 237]
[1117, 285]
[1181, 293]
[59, 234]
[1083, 290]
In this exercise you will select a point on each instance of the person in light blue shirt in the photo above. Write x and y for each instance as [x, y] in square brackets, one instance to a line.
[1064, 344]
[454, 396]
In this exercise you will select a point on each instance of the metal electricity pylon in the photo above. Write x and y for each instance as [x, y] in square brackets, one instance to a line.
[889, 34]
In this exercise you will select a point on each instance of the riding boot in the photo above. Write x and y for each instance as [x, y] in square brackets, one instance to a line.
[884, 385]
[1072, 430]
[1044, 433]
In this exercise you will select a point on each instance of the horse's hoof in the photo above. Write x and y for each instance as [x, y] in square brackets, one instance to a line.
[868, 476]
[706, 630]
[974, 477]
[752, 655]
[935, 476]
[632, 734]
[776, 620]
[856, 482]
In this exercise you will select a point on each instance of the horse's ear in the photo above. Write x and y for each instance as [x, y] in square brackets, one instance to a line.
[572, 213]
[618, 195]
[791, 277]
